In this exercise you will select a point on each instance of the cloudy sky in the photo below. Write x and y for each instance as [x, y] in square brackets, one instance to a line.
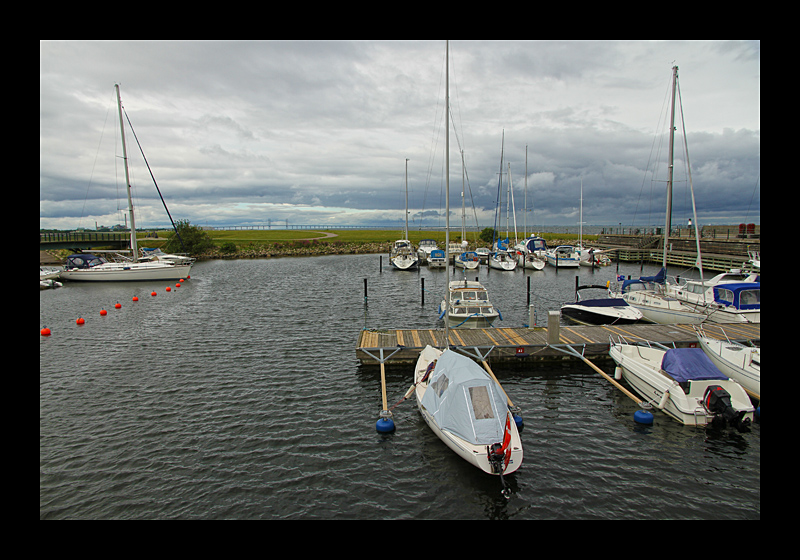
[251, 133]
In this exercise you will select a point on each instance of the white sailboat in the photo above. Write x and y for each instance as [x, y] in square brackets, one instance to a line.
[502, 257]
[466, 259]
[649, 294]
[463, 405]
[91, 268]
[467, 409]
[403, 256]
[530, 251]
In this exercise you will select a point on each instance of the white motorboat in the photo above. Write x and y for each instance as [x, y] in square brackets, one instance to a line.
[91, 268]
[426, 246]
[730, 297]
[593, 257]
[468, 410]
[737, 361]
[86, 267]
[563, 256]
[736, 303]
[600, 311]
[437, 259]
[156, 254]
[469, 306]
[48, 278]
[684, 384]
[702, 291]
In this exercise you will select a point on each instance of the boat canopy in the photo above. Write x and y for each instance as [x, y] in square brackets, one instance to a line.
[690, 364]
[533, 244]
[437, 254]
[659, 278]
[741, 295]
[465, 401]
[83, 260]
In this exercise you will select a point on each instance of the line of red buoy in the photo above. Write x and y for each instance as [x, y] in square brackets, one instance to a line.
[44, 331]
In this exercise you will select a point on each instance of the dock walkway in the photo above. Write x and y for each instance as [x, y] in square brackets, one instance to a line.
[523, 344]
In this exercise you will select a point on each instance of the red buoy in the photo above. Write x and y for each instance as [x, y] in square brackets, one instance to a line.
[118, 305]
[153, 294]
[182, 279]
[135, 298]
[80, 321]
[169, 289]
[103, 312]
[178, 285]
[45, 331]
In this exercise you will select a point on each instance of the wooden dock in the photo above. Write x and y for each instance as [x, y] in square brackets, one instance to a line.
[525, 345]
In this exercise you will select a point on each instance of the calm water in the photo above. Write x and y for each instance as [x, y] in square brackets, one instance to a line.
[239, 396]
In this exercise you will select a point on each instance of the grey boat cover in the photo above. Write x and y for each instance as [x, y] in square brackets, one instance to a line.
[465, 401]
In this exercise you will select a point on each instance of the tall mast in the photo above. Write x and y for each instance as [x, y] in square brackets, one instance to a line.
[670, 168]
[134, 247]
[447, 190]
[406, 198]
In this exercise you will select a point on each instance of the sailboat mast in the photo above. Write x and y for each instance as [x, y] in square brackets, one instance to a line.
[447, 190]
[134, 247]
[406, 237]
[671, 167]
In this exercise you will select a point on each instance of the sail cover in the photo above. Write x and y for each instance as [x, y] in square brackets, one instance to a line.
[464, 400]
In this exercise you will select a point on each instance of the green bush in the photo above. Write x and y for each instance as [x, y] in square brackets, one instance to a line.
[189, 239]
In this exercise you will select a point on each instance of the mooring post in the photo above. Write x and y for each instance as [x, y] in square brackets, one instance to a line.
[553, 333]
[422, 292]
[365, 291]
[529, 289]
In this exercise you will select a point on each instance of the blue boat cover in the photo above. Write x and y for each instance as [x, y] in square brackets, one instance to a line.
[690, 364]
[464, 400]
[659, 278]
[741, 295]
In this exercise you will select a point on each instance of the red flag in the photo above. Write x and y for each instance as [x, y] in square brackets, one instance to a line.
[507, 441]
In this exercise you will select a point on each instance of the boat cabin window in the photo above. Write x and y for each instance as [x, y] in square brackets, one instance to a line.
[750, 297]
[440, 385]
[483, 296]
[481, 403]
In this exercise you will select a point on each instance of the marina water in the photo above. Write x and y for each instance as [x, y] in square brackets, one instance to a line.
[238, 396]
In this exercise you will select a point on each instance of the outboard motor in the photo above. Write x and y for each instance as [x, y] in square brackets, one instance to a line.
[718, 402]
[497, 458]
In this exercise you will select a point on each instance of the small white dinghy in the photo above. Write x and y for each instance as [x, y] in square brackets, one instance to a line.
[468, 410]
[739, 362]
[684, 384]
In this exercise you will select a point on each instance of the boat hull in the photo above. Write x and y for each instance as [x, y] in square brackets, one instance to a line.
[641, 368]
[741, 363]
[662, 309]
[601, 315]
[405, 262]
[135, 272]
